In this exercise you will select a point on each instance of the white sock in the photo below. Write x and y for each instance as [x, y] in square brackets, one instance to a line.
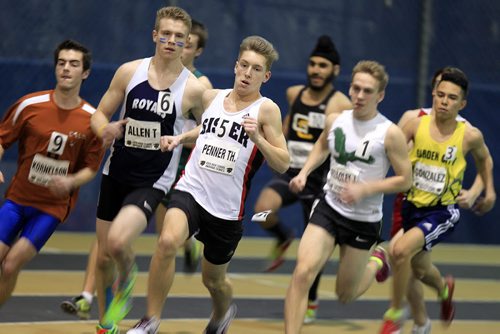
[88, 296]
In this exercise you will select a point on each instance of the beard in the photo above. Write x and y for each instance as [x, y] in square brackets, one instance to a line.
[328, 80]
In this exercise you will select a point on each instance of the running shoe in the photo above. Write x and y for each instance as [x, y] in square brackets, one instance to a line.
[447, 305]
[192, 255]
[425, 329]
[383, 273]
[393, 321]
[102, 330]
[312, 309]
[277, 257]
[145, 326]
[390, 327]
[78, 306]
[223, 326]
[121, 304]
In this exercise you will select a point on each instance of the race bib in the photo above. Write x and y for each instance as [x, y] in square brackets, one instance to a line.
[165, 104]
[427, 178]
[341, 175]
[57, 143]
[43, 168]
[142, 134]
[365, 147]
[316, 120]
[299, 151]
[219, 156]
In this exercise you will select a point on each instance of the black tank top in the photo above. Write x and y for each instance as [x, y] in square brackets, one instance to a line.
[134, 165]
[304, 128]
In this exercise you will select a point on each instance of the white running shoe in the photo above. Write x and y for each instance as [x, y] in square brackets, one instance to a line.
[145, 326]
[425, 329]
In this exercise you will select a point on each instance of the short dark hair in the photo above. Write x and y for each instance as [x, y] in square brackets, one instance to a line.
[458, 77]
[70, 44]
[438, 73]
[199, 29]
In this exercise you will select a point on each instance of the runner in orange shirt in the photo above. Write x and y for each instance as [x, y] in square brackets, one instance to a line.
[58, 152]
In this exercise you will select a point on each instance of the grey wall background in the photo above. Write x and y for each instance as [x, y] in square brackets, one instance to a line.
[411, 38]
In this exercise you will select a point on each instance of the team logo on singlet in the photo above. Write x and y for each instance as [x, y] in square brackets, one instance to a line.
[302, 123]
[222, 127]
[75, 136]
[342, 174]
[362, 153]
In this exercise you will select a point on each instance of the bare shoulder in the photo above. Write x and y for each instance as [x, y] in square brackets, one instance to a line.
[269, 106]
[209, 96]
[411, 124]
[194, 87]
[205, 81]
[473, 135]
[338, 103]
[193, 92]
[395, 133]
[407, 116]
[130, 67]
[269, 112]
[192, 97]
[395, 140]
[474, 142]
[125, 72]
[292, 92]
[330, 118]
